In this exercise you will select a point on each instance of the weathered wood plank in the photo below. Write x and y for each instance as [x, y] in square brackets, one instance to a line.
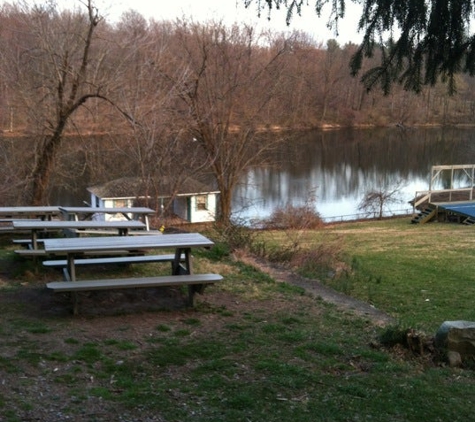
[195, 283]
[113, 260]
[131, 283]
[88, 244]
[31, 252]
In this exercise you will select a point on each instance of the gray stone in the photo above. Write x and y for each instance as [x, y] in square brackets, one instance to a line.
[456, 338]
[454, 359]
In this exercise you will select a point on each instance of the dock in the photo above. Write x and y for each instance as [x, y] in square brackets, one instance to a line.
[455, 203]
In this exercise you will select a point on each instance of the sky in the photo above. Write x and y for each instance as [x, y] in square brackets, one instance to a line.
[231, 11]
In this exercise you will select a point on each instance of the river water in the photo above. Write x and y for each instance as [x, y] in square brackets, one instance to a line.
[336, 169]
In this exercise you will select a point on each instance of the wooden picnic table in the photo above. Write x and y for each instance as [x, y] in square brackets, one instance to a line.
[181, 274]
[36, 226]
[87, 213]
[182, 243]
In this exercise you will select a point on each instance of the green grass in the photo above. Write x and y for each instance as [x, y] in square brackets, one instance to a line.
[422, 274]
[267, 372]
[267, 352]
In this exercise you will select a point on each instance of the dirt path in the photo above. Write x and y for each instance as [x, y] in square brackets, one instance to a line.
[327, 294]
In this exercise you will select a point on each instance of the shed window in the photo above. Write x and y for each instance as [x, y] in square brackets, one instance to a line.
[202, 202]
[119, 203]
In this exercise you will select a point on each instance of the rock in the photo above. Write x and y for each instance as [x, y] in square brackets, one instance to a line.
[454, 358]
[457, 340]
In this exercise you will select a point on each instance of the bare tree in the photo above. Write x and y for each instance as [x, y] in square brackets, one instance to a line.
[226, 82]
[377, 200]
[158, 146]
[55, 71]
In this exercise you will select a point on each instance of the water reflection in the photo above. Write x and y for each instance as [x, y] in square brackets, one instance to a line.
[338, 167]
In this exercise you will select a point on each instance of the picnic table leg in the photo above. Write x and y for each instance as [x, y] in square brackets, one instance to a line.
[71, 267]
[75, 298]
[191, 295]
[177, 267]
[188, 261]
[70, 275]
[34, 239]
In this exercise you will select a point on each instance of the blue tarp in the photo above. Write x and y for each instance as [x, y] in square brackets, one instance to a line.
[467, 208]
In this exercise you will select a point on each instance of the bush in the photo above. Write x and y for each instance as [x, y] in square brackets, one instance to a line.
[393, 335]
[235, 236]
[320, 261]
[218, 251]
[294, 217]
[274, 253]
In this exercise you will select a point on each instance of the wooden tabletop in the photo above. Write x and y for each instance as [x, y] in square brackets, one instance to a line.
[93, 244]
[40, 210]
[56, 225]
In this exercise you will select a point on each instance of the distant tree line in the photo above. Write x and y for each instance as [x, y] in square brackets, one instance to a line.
[180, 99]
[421, 42]
[313, 87]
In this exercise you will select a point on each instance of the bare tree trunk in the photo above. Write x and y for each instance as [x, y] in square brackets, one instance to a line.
[43, 168]
[225, 200]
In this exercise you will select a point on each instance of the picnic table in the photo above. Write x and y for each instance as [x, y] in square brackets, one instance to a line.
[9, 214]
[88, 213]
[181, 272]
[36, 226]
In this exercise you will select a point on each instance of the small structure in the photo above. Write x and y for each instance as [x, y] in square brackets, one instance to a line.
[450, 196]
[192, 200]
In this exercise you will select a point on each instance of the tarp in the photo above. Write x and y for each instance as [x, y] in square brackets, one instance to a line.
[465, 208]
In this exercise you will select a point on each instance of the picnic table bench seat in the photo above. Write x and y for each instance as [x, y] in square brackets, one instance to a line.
[26, 242]
[107, 232]
[30, 252]
[134, 259]
[103, 260]
[12, 219]
[195, 283]
[6, 224]
[41, 252]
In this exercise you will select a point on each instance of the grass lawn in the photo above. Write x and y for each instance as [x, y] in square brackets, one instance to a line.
[422, 274]
[252, 349]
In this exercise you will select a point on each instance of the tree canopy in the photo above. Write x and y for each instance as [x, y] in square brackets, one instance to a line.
[419, 42]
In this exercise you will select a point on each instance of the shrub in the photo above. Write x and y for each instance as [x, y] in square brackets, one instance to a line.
[274, 253]
[393, 335]
[321, 261]
[294, 217]
[234, 235]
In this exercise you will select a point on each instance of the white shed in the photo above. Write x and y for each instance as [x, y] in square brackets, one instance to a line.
[193, 201]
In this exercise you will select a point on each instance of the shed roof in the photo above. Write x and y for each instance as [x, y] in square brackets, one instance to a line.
[135, 187]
